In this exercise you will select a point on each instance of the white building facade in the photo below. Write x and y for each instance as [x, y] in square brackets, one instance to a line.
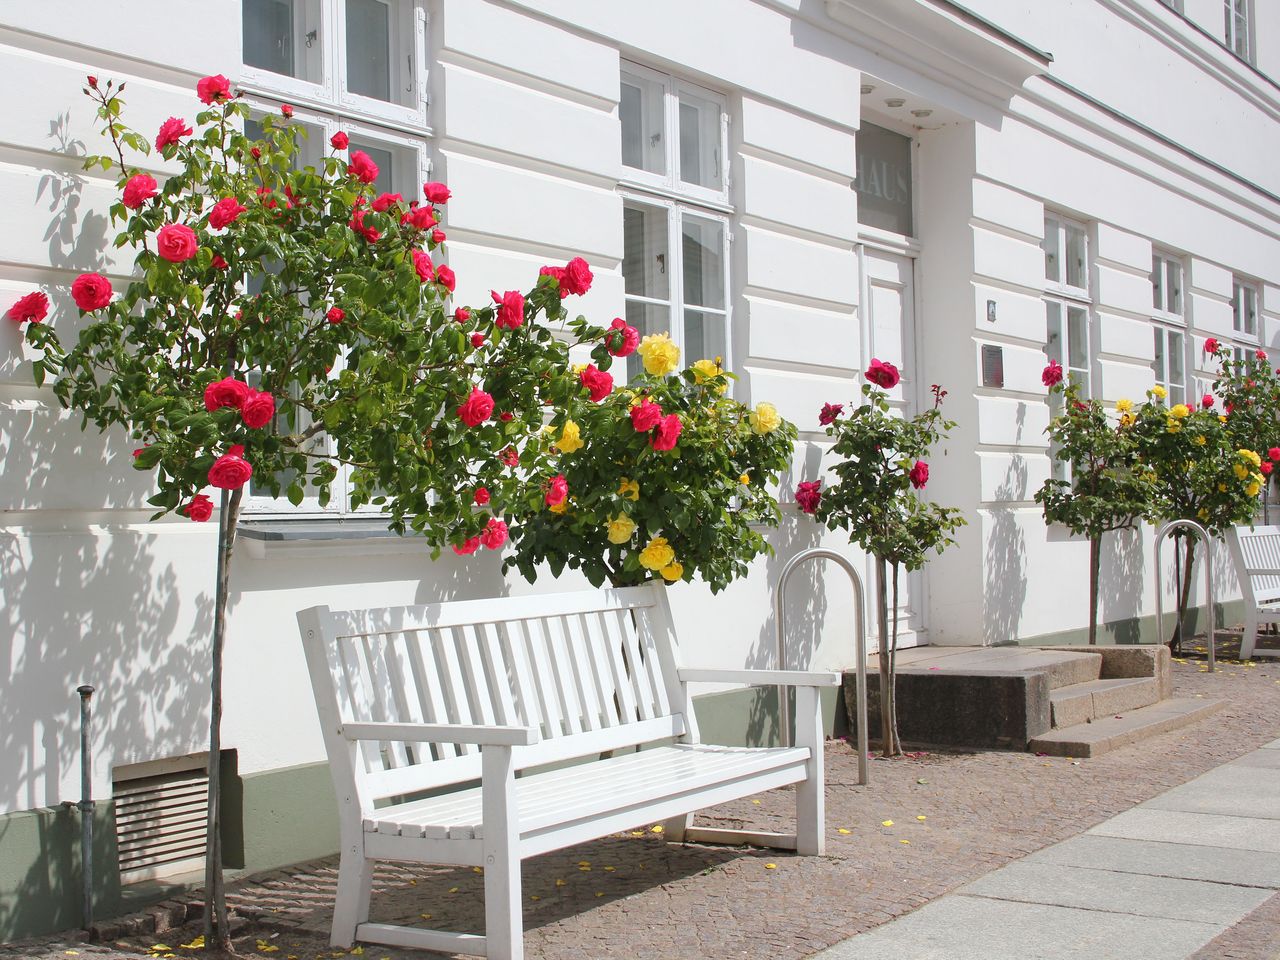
[795, 185]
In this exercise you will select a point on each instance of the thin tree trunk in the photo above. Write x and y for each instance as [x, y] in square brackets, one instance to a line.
[1095, 561]
[893, 666]
[217, 930]
[1184, 594]
[888, 746]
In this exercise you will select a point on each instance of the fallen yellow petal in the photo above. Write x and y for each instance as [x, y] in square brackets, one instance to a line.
[771, 866]
[585, 869]
[843, 830]
[657, 828]
[610, 869]
[886, 823]
[535, 897]
[640, 833]
[453, 889]
[477, 869]
[905, 841]
[560, 883]
[922, 817]
[425, 916]
[756, 802]
[599, 893]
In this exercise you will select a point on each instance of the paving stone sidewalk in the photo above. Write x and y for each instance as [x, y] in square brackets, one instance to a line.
[925, 826]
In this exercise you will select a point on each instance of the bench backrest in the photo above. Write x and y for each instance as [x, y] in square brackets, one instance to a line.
[592, 671]
[1256, 549]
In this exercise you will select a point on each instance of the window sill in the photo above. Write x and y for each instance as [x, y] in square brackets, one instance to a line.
[324, 537]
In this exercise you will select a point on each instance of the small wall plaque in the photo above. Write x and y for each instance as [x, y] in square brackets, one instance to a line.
[992, 365]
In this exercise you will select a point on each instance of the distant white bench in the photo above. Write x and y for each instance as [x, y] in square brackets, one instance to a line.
[1256, 554]
[416, 699]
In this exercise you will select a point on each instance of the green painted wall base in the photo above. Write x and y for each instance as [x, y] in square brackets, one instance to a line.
[1134, 630]
[271, 819]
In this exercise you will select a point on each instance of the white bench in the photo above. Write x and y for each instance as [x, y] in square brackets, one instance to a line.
[1256, 554]
[416, 699]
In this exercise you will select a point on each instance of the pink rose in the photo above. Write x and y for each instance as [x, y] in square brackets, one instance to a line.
[557, 490]
[495, 534]
[1274, 454]
[919, 474]
[510, 309]
[476, 409]
[809, 495]
[477, 339]
[286, 111]
[510, 457]
[1211, 345]
[339, 141]
[91, 291]
[1262, 355]
[436, 192]
[227, 392]
[645, 416]
[212, 89]
[386, 200]
[599, 383]
[199, 509]
[437, 236]
[257, 410]
[219, 262]
[480, 497]
[231, 470]
[423, 266]
[829, 413]
[462, 314]
[335, 315]
[446, 277]
[362, 167]
[1051, 376]
[577, 277]
[467, 547]
[883, 374]
[558, 273]
[371, 234]
[224, 212]
[667, 433]
[171, 131]
[32, 308]
[176, 242]
[93, 81]
[622, 339]
[1206, 401]
[420, 218]
[506, 416]
[138, 189]
[1266, 468]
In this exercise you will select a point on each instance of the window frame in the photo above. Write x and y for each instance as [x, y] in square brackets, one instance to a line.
[1167, 332]
[1240, 284]
[1162, 313]
[1234, 33]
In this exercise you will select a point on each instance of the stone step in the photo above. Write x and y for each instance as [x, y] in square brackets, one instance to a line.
[1083, 702]
[1108, 733]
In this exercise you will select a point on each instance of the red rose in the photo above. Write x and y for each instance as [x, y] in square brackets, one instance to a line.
[32, 308]
[829, 413]
[256, 154]
[257, 409]
[91, 291]
[495, 534]
[224, 212]
[809, 495]
[199, 509]
[1274, 454]
[420, 218]
[231, 470]
[93, 81]
[557, 490]
[138, 189]
[437, 236]
[339, 141]
[1229, 409]
[171, 131]
[558, 273]
[667, 433]
[422, 264]
[1211, 345]
[510, 309]
[476, 409]
[335, 315]
[599, 384]
[362, 167]
[446, 277]
[1266, 468]
[371, 234]
[480, 497]
[462, 314]
[883, 374]
[218, 262]
[477, 339]
[1051, 375]
[467, 547]
[176, 242]
[1262, 355]
[506, 416]
[385, 200]
[919, 474]
[286, 111]
[1206, 401]
[227, 392]
[510, 457]
[137, 453]
[436, 192]
[623, 339]
[211, 89]
[645, 416]
[577, 277]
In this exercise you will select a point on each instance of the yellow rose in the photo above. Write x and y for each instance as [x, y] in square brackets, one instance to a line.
[570, 438]
[1222, 488]
[1251, 457]
[1202, 513]
[1159, 392]
[745, 479]
[1124, 406]
[629, 489]
[1200, 440]
[672, 572]
[659, 354]
[1179, 410]
[706, 369]
[1127, 420]
[1252, 489]
[621, 528]
[1221, 418]
[560, 507]
[1241, 471]
[764, 418]
[1174, 425]
[657, 554]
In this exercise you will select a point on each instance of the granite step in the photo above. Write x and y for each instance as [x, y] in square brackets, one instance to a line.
[1108, 733]
[1093, 699]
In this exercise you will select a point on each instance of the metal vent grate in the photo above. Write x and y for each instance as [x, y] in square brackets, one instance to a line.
[161, 811]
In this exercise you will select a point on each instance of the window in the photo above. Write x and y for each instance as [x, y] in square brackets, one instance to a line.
[362, 56]
[1237, 28]
[1067, 300]
[1170, 358]
[1166, 286]
[675, 226]
[1170, 363]
[1244, 307]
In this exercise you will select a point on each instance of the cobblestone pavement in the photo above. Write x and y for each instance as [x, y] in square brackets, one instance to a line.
[926, 824]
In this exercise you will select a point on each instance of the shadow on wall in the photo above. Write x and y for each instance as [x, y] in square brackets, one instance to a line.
[1005, 590]
[1120, 581]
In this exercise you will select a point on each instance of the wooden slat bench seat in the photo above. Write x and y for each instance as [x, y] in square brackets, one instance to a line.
[416, 704]
[1256, 554]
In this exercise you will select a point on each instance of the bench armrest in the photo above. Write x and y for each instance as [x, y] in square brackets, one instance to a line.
[762, 678]
[442, 733]
[1262, 571]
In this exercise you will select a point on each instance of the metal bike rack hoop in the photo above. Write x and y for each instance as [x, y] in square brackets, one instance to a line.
[784, 693]
[1161, 534]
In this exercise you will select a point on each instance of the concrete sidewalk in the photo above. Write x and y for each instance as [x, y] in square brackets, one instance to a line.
[1157, 882]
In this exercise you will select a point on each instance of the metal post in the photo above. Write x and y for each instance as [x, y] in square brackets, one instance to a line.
[86, 805]
[784, 693]
[1161, 534]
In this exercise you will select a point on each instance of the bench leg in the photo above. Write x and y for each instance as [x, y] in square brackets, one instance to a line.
[674, 829]
[503, 906]
[1250, 636]
[811, 835]
[351, 908]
